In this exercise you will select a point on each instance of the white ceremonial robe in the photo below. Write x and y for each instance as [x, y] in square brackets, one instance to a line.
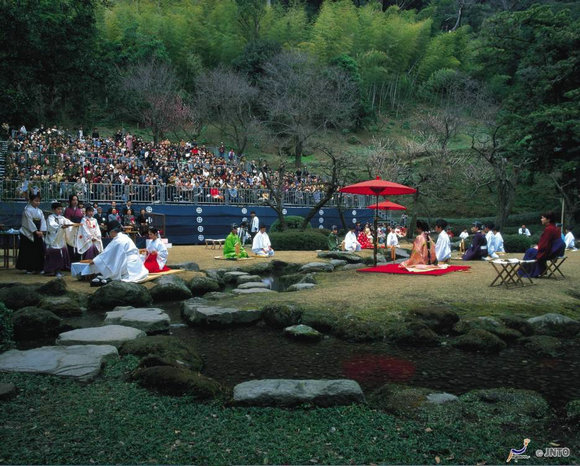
[29, 216]
[351, 243]
[570, 240]
[491, 245]
[261, 245]
[87, 232]
[120, 260]
[392, 239]
[162, 253]
[443, 247]
[55, 233]
[499, 242]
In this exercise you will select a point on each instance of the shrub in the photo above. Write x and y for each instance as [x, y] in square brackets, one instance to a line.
[293, 222]
[6, 328]
[516, 243]
[298, 241]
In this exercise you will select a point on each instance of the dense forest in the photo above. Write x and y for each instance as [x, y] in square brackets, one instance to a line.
[484, 91]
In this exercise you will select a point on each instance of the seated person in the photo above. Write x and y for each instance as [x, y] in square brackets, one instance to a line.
[365, 238]
[120, 260]
[443, 245]
[333, 240]
[478, 248]
[570, 240]
[490, 239]
[89, 240]
[261, 246]
[392, 243]
[155, 253]
[233, 248]
[499, 247]
[350, 241]
[550, 246]
[381, 234]
[423, 252]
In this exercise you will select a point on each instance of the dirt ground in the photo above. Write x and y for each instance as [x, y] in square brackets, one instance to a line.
[369, 294]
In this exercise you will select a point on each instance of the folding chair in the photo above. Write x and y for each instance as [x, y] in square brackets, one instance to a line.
[553, 268]
[507, 273]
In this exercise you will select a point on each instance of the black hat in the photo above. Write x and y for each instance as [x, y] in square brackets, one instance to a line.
[477, 224]
[262, 226]
[114, 225]
[234, 226]
[334, 227]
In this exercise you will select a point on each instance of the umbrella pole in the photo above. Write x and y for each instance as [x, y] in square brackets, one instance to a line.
[376, 234]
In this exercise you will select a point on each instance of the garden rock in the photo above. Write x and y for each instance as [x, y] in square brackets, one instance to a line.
[199, 286]
[510, 402]
[82, 362]
[358, 265]
[399, 400]
[31, 323]
[114, 335]
[170, 288]
[62, 306]
[286, 392]
[177, 381]
[196, 314]
[216, 295]
[439, 319]
[349, 257]
[118, 293]
[252, 291]
[479, 340]
[19, 296]
[317, 267]
[260, 268]
[338, 262]
[148, 319]
[543, 345]
[302, 332]
[7, 391]
[233, 276]
[172, 350]
[250, 285]
[300, 286]
[189, 266]
[517, 323]
[281, 315]
[553, 324]
[56, 287]
[249, 278]
[440, 398]
[291, 279]
[489, 324]
[413, 333]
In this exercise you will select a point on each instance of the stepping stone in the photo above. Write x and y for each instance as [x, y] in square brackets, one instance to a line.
[302, 332]
[107, 335]
[338, 262]
[249, 285]
[353, 266]
[350, 257]
[317, 267]
[252, 291]
[216, 295]
[555, 325]
[249, 278]
[82, 362]
[440, 398]
[148, 319]
[196, 314]
[300, 286]
[287, 392]
[233, 276]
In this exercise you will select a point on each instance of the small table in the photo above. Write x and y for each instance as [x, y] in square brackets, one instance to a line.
[80, 269]
[9, 247]
[212, 243]
[507, 273]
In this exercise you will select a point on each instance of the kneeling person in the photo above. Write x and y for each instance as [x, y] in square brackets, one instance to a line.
[261, 246]
[156, 253]
[233, 248]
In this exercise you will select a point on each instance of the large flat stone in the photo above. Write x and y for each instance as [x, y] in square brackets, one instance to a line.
[82, 362]
[300, 286]
[249, 285]
[148, 319]
[196, 314]
[249, 278]
[233, 276]
[287, 392]
[317, 267]
[114, 335]
[252, 291]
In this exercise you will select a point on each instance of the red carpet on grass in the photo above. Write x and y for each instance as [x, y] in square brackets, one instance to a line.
[394, 268]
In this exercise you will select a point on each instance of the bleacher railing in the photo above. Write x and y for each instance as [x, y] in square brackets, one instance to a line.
[17, 190]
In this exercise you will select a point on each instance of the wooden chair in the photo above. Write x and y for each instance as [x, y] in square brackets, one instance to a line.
[553, 268]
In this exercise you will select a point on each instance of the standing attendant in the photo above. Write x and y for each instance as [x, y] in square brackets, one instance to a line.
[75, 214]
[254, 224]
[443, 245]
[31, 252]
[392, 243]
[89, 239]
[570, 240]
[478, 248]
[261, 246]
[56, 258]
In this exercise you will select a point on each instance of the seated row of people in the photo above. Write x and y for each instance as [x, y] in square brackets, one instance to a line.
[234, 248]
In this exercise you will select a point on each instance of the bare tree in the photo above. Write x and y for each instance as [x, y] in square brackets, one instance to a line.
[227, 100]
[301, 100]
[154, 97]
[274, 180]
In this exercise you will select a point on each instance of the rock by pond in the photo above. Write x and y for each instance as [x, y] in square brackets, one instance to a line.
[31, 323]
[148, 319]
[19, 296]
[172, 350]
[114, 335]
[250, 285]
[288, 392]
[56, 287]
[252, 291]
[170, 288]
[556, 325]
[301, 286]
[118, 293]
[317, 267]
[479, 340]
[176, 381]
[199, 286]
[302, 332]
[62, 306]
[199, 314]
[349, 257]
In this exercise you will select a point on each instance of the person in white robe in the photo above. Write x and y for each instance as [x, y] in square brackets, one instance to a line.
[392, 243]
[56, 258]
[31, 250]
[350, 241]
[499, 247]
[443, 245]
[261, 245]
[463, 236]
[120, 260]
[570, 240]
[491, 245]
[89, 242]
[155, 254]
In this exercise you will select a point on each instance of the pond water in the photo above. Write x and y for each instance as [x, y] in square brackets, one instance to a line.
[236, 354]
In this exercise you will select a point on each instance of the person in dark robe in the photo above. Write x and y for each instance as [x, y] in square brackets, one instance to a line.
[478, 248]
[32, 231]
[549, 247]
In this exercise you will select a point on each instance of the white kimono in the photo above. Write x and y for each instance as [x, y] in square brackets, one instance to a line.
[55, 233]
[392, 239]
[570, 240]
[29, 216]
[261, 245]
[158, 246]
[499, 242]
[120, 260]
[351, 243]
[87, 232]
[491, 245]
[443, 247]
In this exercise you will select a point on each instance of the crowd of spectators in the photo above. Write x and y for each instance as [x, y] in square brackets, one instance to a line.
[122, 164]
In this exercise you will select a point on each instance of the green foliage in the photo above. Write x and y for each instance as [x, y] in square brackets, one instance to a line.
[516, 243]
[6, 328]
[298, 241]
[255, 56]
[445, 51]
[293, 222]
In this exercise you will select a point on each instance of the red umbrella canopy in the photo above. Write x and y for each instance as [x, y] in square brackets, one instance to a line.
[377, 187]
[387, 205]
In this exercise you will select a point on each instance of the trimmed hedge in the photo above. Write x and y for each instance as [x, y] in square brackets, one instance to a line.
[517, 243]
[294, 240]
[293, 222]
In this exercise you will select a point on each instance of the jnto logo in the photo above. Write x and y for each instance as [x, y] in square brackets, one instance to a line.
[516, 454]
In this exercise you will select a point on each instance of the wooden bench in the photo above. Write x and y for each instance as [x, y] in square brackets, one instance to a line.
[212, 243]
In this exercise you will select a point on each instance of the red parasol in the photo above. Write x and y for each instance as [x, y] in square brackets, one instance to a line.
[377, 187]
[387, 205]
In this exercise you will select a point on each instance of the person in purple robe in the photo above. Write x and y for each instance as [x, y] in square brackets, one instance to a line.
[478, 248]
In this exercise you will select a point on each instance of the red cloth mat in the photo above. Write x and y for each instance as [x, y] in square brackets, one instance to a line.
[394, 268]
